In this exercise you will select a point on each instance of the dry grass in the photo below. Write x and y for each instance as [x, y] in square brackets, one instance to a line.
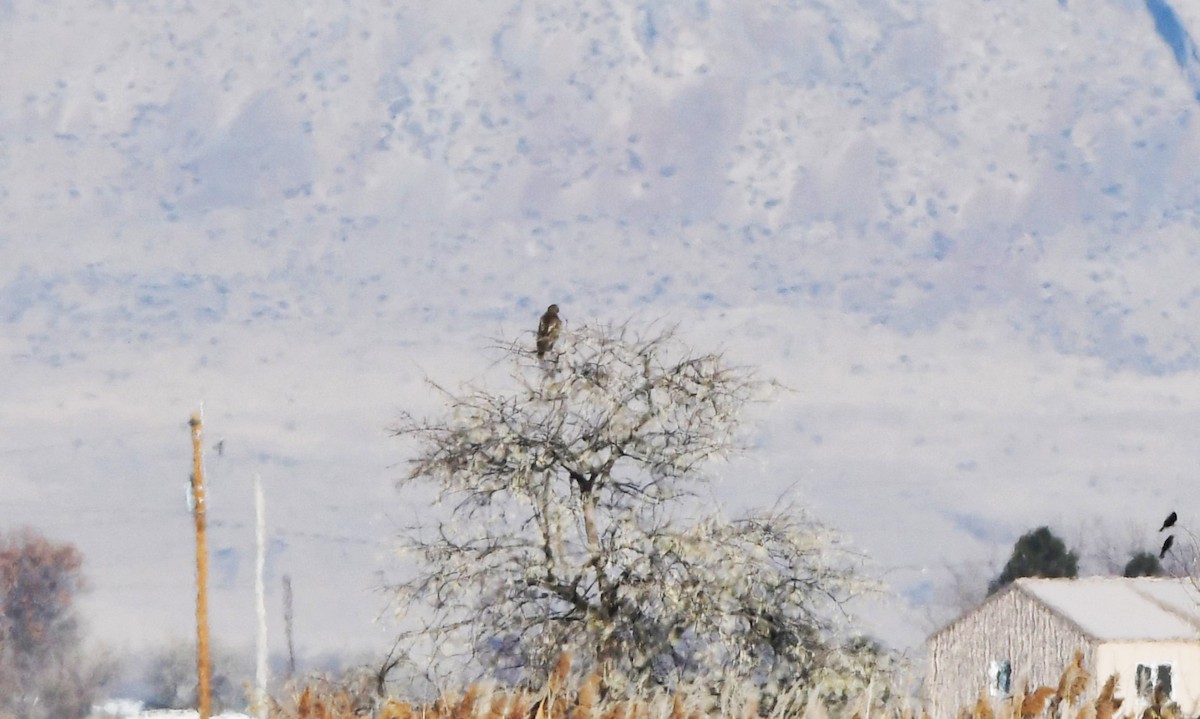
[1069, 701]
[590, 698]
[559, 699]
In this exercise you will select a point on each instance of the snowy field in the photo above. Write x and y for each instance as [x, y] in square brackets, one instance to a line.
[126, 709]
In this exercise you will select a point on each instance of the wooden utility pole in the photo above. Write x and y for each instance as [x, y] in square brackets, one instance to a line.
[203, 663]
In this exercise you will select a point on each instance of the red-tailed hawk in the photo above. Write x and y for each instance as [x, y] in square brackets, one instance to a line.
[548, 329]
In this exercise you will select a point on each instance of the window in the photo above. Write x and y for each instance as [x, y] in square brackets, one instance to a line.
[1000, 678]
[1143, 681]
[1162, 679]
[1149, 677]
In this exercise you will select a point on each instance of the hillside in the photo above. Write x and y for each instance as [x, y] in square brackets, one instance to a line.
[961, 232]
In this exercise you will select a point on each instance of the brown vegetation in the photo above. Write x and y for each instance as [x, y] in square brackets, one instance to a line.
[1069, 701]
[590, 698]
[43, 672]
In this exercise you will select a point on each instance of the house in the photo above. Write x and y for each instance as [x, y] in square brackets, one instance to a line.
[1144, 630]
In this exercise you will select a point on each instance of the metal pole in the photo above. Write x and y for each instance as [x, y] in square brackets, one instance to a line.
[287, 624]
[260, 592]
[203, 662]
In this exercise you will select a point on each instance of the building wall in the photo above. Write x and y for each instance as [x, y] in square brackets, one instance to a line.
[1122, 658]
[1011, 626]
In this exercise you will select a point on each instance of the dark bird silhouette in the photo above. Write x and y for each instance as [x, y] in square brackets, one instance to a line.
[548, 330]
[1169, 521]
[1166, 546]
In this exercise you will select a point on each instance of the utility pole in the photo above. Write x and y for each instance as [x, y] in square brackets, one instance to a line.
[199, 509]
[287, 624]
[260, 594]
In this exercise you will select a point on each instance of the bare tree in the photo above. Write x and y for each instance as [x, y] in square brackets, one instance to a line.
[169, 673]
[43, 671]
[574, 519]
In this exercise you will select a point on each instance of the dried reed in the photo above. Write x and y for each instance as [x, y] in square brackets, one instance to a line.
[592, 699]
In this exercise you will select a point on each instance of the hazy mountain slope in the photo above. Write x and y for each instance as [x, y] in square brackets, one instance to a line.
[956, 159]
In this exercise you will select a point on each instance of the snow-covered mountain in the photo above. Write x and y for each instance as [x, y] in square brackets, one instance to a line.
[961, 231]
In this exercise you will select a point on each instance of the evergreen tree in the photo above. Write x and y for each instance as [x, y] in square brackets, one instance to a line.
[1143, 564]
[1037, 553]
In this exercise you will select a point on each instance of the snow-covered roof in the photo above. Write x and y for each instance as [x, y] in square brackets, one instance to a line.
[1116, 608]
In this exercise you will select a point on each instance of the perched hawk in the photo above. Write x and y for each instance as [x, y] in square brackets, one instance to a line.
[548, 329]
